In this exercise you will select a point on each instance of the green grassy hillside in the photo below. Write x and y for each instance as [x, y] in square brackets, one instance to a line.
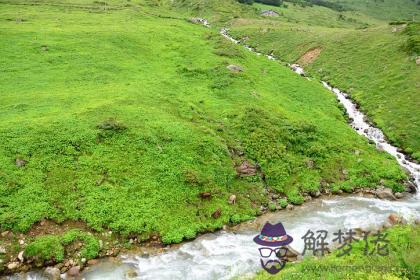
[372, 60]
[120, 115]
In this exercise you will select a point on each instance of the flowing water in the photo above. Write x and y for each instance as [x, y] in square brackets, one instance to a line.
[226, 254]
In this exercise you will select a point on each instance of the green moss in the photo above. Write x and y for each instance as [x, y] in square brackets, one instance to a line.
[46, 248]
[282, 202]
[49, 247]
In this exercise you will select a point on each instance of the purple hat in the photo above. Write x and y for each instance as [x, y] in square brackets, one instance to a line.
[273, 236]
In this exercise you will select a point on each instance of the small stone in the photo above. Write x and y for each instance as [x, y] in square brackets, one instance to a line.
[2, 250]
[22, 242]
[310, 163]
[12, 265]
[20, 257]
[234, 68]
[131, 241]
[92, 262]
[217, 214]
[83, 260]
[205, 195]
[232, 199]
[394, 219]
[387, 225]
[20, 162]
[290, 207]
[275, 196]
[291, 255]
[52, 273]
[131, 274]
[5, 233]
[315, 194]
[399, 195]
[307, 198]
[74, 271]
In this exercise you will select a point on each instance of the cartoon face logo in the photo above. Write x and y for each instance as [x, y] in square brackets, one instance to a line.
[272, 240]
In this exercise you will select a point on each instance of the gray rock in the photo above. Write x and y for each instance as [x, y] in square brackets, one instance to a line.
[20, 257]
[12, 265]
[52, 273]
[2, 250]
[74, 271]
[232, 199]
[270, 13]
[20, 162]
[307, 198]
[290, 207]
[387, 225]
[131, 274]
[411, 188]
[234, 68]
[385, 193]
[399, 195]
[292, 255]
[316, 194]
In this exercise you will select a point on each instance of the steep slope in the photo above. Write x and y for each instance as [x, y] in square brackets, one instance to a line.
[123, 116]
[366, 57]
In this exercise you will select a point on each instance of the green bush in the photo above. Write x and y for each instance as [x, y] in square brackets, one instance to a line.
[54, 246]
[282, 202]
[46, 248]
[90, 248]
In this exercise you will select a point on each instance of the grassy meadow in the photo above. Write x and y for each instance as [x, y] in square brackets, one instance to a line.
[360, 52]
[120, 115]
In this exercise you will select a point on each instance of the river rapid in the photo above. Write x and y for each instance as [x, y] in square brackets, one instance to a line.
[231, 253]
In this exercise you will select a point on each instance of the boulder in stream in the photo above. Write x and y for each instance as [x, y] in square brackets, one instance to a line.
[52, 273]
[74, 271]
[292, 255]
[385, 193]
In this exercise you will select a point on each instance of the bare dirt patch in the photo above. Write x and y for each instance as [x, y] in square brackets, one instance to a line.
[309, 57]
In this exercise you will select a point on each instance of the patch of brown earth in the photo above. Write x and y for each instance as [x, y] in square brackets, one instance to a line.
[309, 57]
[50, 227]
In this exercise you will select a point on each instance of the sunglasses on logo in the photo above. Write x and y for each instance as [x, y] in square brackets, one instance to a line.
[266, 252]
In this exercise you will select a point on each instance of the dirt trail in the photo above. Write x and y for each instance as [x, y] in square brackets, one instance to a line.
[309, 57]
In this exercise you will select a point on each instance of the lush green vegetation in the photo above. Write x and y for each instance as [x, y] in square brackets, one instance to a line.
[55, 247]
[359, 51]
[402, 262]
[121, 114]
